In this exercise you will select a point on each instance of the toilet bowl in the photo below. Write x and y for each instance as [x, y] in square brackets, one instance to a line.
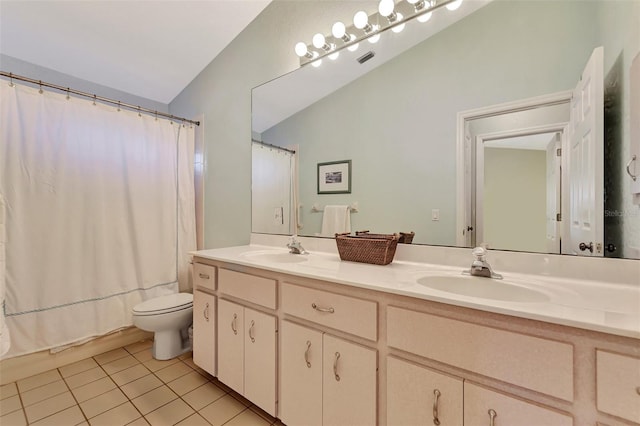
[169, 318]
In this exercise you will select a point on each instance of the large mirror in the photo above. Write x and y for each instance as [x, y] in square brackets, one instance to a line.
[397, 120]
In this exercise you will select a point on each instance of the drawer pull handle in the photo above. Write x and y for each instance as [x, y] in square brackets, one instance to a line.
[203, 276]
[436, 395]
[306, 354]
[321, 309]
[492, 417]
[206, 312]
[335, 367]
[234, 327]
[253, 339]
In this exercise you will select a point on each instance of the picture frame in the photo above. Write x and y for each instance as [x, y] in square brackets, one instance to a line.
[334, 177]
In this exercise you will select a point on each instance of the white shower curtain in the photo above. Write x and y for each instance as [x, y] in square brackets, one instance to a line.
[99, 214]
[271, 190]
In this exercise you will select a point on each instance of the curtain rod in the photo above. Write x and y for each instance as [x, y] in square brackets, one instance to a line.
[291, 151]
[138, 108]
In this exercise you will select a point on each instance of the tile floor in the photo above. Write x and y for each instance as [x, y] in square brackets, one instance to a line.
[127, 386]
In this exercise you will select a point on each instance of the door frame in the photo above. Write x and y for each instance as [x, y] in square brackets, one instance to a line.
[477, 189]
[463, 151]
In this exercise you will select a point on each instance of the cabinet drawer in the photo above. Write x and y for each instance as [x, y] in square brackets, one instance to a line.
[343, 313]
[538, 364]
[618, 385]
[258, 290]
[204, 276]
[480, 403]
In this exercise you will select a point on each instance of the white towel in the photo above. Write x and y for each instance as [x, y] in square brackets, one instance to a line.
[336, 220]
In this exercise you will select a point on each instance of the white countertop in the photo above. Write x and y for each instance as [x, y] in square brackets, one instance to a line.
[591, 305]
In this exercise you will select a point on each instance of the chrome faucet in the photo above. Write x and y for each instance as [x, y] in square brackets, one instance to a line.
[480, 267]
[295, 247]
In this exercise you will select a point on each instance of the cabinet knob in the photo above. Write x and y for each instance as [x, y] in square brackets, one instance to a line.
[321, 309]
[234, 325]
[335, 367]
[492, 417]
[436, 396]
[253, 339]
[306, 354]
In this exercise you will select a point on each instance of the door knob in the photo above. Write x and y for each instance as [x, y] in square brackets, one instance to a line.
[584, 247]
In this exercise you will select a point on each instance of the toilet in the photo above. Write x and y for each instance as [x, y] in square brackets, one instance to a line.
[169, 318]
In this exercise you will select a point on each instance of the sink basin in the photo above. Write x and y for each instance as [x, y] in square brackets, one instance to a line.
[484, 288]
[275, 257]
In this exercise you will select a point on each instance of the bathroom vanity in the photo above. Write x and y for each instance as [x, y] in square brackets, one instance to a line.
[316, 341]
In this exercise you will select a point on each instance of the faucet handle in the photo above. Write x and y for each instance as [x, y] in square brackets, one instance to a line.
[479, 253]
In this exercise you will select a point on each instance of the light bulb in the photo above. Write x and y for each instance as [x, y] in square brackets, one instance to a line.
[374, 39]
[301, 49]
[333, 56]
[454, 5]
[385, 7]
[317, 63]
[338, 30]
[400, 27]
[360, 20]
[425, 17]
[318, 41]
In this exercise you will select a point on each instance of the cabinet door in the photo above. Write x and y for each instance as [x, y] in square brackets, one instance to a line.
[421, 396]
[204, 331]
[481, 404]
[231, 345]
[349, 383]
[260, 359]
[300, 375]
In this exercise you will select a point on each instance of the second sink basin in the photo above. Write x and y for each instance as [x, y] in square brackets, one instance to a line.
[484, 288]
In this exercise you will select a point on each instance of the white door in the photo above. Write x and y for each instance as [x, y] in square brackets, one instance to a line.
[231, 345]
[420, 396]
[300, 375]
[204, 331]
[349, 383]
[260, 359]
[553, 194]
[481, 405]
[584, 162]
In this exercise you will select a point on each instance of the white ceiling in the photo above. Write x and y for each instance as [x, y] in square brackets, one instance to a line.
[148, 48]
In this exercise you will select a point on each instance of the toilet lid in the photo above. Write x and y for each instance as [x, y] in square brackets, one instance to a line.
[163, 304]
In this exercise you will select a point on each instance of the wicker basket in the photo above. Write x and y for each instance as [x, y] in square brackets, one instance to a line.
[404, 237]
[363, 247]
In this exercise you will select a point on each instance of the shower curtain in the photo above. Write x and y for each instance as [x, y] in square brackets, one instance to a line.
[99, 209]
[271, 190]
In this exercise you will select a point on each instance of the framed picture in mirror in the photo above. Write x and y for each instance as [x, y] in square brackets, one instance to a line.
[334, 177]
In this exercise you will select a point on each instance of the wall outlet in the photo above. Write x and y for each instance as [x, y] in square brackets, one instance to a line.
[435, 215]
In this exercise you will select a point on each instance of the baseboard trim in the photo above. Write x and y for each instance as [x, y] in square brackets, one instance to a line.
[20, 367]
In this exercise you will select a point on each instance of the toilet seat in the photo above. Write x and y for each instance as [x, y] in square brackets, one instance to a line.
[164, 304]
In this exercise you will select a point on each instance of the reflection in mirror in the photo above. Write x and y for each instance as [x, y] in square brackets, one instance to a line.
[397, 121]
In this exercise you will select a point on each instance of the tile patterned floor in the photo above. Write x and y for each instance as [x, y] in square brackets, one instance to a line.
[127, 386]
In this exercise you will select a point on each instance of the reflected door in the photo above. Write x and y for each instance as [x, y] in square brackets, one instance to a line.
[585, 163]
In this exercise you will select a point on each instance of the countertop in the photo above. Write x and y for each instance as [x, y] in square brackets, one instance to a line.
[590, 305]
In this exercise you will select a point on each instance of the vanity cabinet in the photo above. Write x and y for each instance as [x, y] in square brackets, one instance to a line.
[418, 395]
[325, 380]
[618, 385]
[204, 331]
[247, 353]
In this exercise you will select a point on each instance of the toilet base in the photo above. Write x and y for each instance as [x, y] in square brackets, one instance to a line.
[169, 344]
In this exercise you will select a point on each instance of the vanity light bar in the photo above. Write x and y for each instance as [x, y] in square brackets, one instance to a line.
[348, 37]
